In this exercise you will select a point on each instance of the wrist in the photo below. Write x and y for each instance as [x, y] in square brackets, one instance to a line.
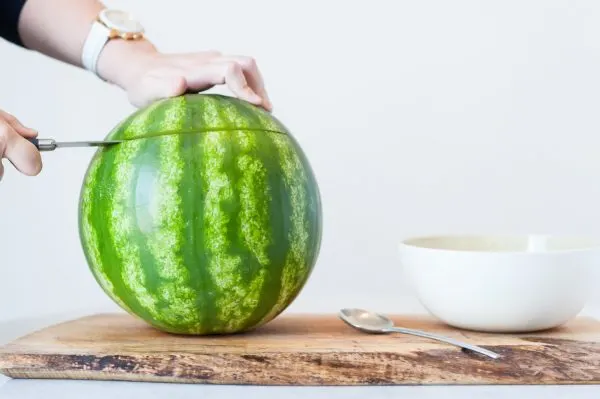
[115, 48]
[121, 61]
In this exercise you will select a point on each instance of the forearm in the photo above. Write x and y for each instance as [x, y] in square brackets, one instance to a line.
[58, 29]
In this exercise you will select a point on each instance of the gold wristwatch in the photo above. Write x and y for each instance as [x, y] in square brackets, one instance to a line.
[109, 25]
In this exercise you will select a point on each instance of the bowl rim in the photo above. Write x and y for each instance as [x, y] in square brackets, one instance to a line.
[587, 243]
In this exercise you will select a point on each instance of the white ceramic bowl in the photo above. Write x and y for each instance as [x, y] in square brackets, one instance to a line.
[501, 283]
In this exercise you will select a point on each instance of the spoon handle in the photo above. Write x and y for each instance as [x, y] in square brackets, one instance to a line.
[448, 340]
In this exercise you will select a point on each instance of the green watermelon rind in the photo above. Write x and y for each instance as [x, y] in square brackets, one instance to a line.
[245, 180]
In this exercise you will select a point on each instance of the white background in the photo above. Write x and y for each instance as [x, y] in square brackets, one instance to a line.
[418, 117]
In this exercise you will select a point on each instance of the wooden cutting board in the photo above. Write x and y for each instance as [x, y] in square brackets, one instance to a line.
[300, 349]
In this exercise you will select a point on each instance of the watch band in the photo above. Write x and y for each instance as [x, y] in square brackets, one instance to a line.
[94, 43]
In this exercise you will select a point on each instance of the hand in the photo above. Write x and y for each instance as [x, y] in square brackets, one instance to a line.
[13, 146]
[147, 75]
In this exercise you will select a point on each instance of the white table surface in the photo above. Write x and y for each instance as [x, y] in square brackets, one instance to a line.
[59, 389]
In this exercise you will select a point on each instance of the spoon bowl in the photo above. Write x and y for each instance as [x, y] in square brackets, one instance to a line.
[366, 321]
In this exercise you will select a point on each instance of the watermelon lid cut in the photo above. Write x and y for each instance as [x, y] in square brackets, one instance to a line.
[195, 113]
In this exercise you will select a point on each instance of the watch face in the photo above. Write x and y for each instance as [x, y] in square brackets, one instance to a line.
[121, 21]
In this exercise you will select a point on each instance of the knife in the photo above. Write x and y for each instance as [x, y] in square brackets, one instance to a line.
[51, 144]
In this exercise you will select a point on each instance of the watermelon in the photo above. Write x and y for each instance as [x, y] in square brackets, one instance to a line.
[207, 219]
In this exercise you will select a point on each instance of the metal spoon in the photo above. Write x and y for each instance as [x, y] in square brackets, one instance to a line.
[376, 323]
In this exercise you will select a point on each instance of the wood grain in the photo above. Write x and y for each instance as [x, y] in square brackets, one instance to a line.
[302, 349]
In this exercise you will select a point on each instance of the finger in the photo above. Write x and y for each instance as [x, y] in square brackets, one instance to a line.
[20, 152]
[222, 72]
[161, 84]
[250, 70]
[17, 125]
[253, 76]
[238, 84]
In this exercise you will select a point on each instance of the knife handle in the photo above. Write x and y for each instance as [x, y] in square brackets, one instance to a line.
[43, 144]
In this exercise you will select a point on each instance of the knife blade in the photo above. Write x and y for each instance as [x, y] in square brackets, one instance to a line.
[51, 144]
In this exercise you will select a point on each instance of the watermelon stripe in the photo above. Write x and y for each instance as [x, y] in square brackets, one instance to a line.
[206, 114]
[232, 297]
[249, 214]
[240, 286]
[254, 200]
[195, 257]
[222, 266]
[252, 189]
[314, 209]
[91, 242]
[124, 174]
[248, 208]
[279, 209]
[201, 200]
[121, 222]
[159, 246]
[248, 229]
[165, 243]
[295, 266]
[142, 197]
[173, 115]
[100, 210]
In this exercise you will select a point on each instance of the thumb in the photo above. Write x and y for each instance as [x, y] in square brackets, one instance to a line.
[20, 152]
